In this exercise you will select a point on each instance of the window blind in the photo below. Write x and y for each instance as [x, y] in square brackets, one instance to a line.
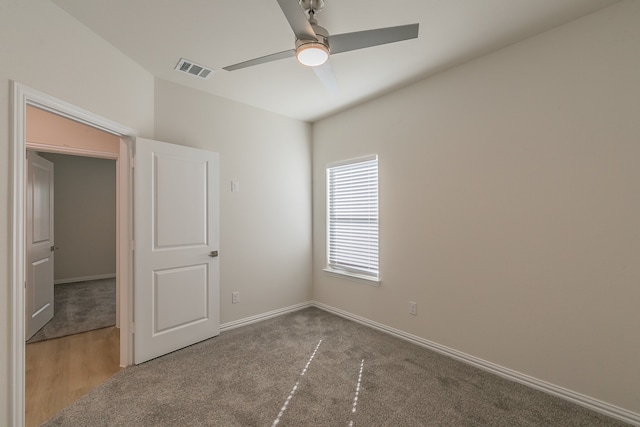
[353, 217]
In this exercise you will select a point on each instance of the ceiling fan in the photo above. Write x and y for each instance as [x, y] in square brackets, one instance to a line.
[314, 44]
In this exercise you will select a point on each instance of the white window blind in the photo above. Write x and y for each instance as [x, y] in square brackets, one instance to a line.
[352, 191]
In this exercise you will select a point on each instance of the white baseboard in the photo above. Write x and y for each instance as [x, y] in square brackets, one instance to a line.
[84, 279]
[580, 399]
[264, 316]
[563, 393]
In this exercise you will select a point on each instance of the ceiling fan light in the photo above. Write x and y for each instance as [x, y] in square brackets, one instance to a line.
[312, 54]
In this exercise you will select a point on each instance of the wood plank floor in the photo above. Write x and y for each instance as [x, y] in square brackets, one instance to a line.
[61, 370]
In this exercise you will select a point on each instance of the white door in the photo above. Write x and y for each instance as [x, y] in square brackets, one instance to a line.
[176, 229]
[39, 245]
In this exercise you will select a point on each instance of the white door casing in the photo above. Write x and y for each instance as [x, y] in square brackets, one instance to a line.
[176, 229]
[39, 304]
[23, 96]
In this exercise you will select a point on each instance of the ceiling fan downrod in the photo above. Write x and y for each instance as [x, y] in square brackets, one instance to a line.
[312, 7]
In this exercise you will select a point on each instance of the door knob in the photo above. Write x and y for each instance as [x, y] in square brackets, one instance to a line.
[54, 248]
[213, 254]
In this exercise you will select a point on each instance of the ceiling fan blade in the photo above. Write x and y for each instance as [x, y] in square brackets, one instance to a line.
[362, 39]
[327, 77]
[261, 60]
[297, 19]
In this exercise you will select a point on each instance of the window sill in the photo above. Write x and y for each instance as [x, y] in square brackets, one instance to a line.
[367, 280]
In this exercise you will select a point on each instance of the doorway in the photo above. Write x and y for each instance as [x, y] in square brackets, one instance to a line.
[82, 279]
[60, 371]
[26, 97]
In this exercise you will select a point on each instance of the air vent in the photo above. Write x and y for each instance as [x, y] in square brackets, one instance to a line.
[190, 67]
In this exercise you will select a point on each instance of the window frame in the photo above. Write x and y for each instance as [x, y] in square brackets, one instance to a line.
[359, 275]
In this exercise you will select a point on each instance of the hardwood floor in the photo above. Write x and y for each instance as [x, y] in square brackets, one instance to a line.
[61, 370]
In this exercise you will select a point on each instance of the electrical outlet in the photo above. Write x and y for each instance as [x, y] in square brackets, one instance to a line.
[413, 308]
[235, 297]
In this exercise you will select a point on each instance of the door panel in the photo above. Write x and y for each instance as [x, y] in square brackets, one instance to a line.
[181, 219]
[39, 246]
[181, 297]
[41, 272]
[176, 211]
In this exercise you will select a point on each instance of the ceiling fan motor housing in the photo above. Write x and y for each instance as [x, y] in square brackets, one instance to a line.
[322, 36]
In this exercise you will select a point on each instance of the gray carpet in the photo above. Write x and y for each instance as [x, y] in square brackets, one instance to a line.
[80, 307]
[304, 369]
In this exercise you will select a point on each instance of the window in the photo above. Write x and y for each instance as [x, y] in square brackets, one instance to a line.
[352, 202]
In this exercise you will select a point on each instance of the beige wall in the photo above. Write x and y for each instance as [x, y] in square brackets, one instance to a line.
[84, 217]
[45, 49]
[509, 206]
[265, 228]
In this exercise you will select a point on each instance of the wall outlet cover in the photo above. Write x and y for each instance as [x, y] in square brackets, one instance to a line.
[413, 308]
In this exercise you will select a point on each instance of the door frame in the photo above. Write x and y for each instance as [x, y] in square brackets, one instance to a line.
[23, 96]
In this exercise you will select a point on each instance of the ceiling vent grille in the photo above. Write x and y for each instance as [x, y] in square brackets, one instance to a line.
[190, 67]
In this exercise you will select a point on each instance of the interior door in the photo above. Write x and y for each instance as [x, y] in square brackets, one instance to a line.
[176, 229]
[39, 245]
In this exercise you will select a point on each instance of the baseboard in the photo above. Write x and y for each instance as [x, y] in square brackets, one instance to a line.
[264, 316]
[580, 399]
[84, 279]
[563, 393]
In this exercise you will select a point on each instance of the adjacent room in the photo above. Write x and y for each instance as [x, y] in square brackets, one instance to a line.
[439, 225]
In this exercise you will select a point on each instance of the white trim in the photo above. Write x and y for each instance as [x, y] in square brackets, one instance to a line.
[367, 280]
[84, 279]
[17, 279]
[21, 97]
[37, 146]
[366, 158]
[124, 261]
[264, 316]
[563, 393]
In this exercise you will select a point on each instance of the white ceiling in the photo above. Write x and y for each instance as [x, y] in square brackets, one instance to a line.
[218, 33]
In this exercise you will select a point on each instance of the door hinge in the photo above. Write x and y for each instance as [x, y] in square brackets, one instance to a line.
[133, 162]
[133, 245]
